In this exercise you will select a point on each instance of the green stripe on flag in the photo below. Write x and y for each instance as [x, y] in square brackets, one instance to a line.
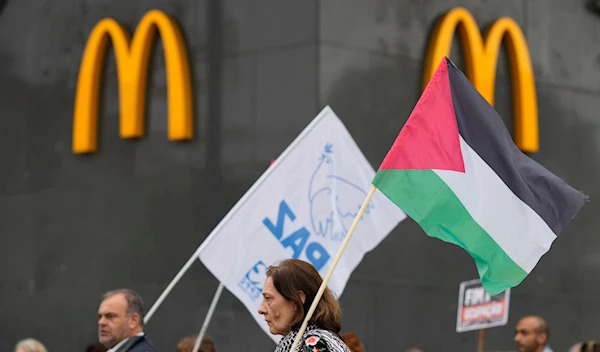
[428, 200]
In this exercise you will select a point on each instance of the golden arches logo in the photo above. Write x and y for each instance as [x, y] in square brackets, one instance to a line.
[132, 66]
[481, 57]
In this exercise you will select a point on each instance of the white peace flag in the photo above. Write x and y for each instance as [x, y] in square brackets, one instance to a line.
[301, 207]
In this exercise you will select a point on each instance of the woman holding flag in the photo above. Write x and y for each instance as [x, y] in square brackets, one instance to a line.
[288, 293]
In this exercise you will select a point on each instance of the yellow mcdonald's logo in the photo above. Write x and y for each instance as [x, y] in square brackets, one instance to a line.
[132, 66]
[481, 57]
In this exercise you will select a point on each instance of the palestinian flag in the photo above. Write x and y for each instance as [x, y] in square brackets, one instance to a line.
[455, 170]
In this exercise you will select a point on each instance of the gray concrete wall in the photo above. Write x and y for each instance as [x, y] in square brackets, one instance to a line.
[131, 215]
[371, 64]
[75, 226]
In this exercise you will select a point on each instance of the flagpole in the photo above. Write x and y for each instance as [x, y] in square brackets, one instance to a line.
[174, 282]
[211, 310]
[315, 302]
[233, 210]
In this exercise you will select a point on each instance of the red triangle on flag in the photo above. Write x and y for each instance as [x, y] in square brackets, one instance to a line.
[430, 138]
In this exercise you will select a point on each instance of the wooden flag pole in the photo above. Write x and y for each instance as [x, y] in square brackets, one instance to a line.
[315, 302]
[481, 340]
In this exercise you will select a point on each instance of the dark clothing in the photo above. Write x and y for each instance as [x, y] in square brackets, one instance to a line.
[137, 344]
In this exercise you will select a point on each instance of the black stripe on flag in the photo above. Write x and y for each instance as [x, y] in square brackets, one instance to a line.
[483, 129]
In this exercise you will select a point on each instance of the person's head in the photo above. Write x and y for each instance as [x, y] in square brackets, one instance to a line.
[586, 346]
[30, 345]
[288, 293]
[353, 342]
[531, 334]
[413, 349]
[120, 316]
[96, 347]
[187, 344]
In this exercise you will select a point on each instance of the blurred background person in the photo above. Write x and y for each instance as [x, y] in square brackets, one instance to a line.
[187, 344]
[586, 346]
[288, 293]
[30, 345]
[96, 347]
[352, 341]
[532, 334]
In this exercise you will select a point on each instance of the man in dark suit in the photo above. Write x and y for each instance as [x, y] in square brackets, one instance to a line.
[121, 323]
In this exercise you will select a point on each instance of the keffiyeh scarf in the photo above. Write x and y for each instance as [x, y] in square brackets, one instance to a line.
[333, 341]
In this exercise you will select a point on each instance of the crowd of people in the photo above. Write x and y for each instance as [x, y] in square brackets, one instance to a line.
[288, 292]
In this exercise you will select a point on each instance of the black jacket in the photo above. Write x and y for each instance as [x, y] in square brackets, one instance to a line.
[137, 344]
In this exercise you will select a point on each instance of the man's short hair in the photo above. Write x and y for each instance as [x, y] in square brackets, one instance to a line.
[542, 325]
[135, 304]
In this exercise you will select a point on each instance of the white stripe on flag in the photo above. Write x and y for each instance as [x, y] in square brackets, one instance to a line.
[512, 224]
